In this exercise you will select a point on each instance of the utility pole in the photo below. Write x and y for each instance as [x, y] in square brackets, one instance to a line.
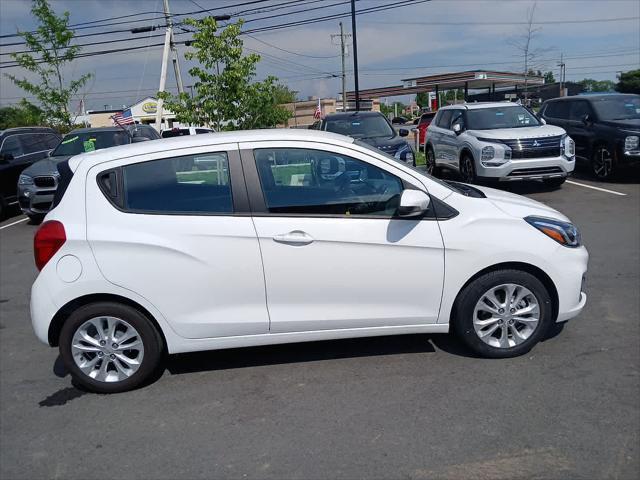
[355, 53]
[562, 70]
[169, 44]
[343, 52]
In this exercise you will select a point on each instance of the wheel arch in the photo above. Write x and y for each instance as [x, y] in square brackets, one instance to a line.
[525, 267]
[63, 314]
[464, 150]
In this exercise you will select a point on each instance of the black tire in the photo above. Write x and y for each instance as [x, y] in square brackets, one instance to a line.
[602, 163]
[462, 321]
[151, 340]
[468, 168]
[554, 182]
[3, 208]
[430, 164]
[36, 218]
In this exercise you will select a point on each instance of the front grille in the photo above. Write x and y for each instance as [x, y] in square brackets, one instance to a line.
[534, 147]
[524, 172]
[47, 181]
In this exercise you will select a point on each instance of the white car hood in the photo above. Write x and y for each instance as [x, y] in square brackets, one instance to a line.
[540, 131]
[519, 206]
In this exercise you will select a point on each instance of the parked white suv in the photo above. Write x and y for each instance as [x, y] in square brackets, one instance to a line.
[277, 236]
[498, 141]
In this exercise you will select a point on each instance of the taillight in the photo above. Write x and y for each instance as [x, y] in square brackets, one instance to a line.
[48, 240]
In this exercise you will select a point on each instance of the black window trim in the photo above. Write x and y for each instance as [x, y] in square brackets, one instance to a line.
[259, 208]
[239, 197]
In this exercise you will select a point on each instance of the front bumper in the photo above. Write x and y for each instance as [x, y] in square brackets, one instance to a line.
[35, 200]
[631, 157]
[528, 169]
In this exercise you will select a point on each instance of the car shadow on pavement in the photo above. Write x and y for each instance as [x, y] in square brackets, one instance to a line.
[298, 353]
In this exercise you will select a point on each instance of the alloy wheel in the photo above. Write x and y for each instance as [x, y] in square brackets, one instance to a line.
[107, 349]
[506, 315]
[466, 169]
[602, 163]
[431, 162]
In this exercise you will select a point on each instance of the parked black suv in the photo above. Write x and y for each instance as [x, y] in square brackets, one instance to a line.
[372, 128]
[19, 148]
[606, 128]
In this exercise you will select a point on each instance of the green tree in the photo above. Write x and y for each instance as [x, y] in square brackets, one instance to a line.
[225, 95]
[422, 99]
[591, 85]
[24, 114]
[50, 50]
[629, 82]
[549, 78]
[283, 94]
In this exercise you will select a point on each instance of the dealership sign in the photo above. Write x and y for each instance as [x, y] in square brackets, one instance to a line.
[150, 107]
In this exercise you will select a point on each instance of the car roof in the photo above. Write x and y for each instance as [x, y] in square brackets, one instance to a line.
[216, 138]
[339, 115]
[480, 105]
[591, 97]
[14, 130]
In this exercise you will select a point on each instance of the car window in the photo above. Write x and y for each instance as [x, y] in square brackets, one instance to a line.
[578, 109]
[444, 119]
[75, 143]
[175, 132]
[202, 130]
[492, 118]
[12, 146]
[426, 118]
[457, 117]
[51, 141]
[618, 107]
[315, 182]
[33, 143]
[360, 126]
[191, 184]
[146, 132]
[558, 110]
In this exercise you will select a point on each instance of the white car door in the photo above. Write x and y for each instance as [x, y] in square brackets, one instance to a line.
[174, 227]
[334, 255]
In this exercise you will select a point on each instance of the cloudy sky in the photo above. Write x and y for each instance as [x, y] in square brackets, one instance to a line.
[597, 38]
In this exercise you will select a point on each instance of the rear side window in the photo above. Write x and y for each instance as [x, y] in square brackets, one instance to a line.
[12, 146]
[202, 130]
[557, 110]
[578, 110]
[426, 118]
[194, 184]
[38, 142]
[444, 119]
[175, 132]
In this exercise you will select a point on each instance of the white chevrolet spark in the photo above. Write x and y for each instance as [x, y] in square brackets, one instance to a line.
[279, 236]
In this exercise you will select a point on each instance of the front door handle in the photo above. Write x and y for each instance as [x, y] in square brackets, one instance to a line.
[295, 237]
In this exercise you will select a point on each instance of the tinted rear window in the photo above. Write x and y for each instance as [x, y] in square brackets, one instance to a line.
[175, 132]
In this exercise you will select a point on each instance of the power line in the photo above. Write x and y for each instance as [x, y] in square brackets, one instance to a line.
[545, 22]
[289, 51]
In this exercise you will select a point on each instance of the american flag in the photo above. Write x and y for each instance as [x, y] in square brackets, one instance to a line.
[318, 113]
[123, 118]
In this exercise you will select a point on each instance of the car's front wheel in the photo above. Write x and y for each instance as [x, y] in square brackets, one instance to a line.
[503, 313]
[110, 347]
[602, 164]
[467, 169]
[430, 161]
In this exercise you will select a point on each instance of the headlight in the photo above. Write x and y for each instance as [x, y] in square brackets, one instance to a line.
[25, 180]
[567, 146]
[488, 153]
[564, 233]
[404, 154]
[631, 142]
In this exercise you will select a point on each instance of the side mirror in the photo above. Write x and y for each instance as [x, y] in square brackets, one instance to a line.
[542, 121]
[413, 203]
[403, 132]
[586, 119]
[457, 128]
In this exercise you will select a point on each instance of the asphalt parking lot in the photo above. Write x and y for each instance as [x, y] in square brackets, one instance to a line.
[391, 407]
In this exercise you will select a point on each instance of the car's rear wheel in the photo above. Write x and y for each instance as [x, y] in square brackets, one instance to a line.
[430, 161]
[110, 347]
[602, 164]
[503, 313]
[468, 168]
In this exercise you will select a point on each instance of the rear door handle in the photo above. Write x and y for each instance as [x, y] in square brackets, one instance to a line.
[296, 237]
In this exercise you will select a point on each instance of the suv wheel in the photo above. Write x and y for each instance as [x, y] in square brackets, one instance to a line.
[503, 313]
[110, 347]
[602, 163]
[467, 169]
[430, 161]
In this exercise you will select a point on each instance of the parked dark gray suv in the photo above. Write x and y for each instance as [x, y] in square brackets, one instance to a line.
[606, 129]
[37, 184]
[19, 148]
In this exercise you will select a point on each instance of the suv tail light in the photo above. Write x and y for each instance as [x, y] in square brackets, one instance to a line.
[48, 240]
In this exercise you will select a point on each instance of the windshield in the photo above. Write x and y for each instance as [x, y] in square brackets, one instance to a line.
[360, 127]
[415, 169]
[618, 108]
[500, 117]
[81, 142]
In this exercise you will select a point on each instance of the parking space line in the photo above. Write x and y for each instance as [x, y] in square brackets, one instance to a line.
[14, 223]
[596, 188]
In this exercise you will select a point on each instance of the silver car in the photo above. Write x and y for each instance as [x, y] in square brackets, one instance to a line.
[498, 141]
